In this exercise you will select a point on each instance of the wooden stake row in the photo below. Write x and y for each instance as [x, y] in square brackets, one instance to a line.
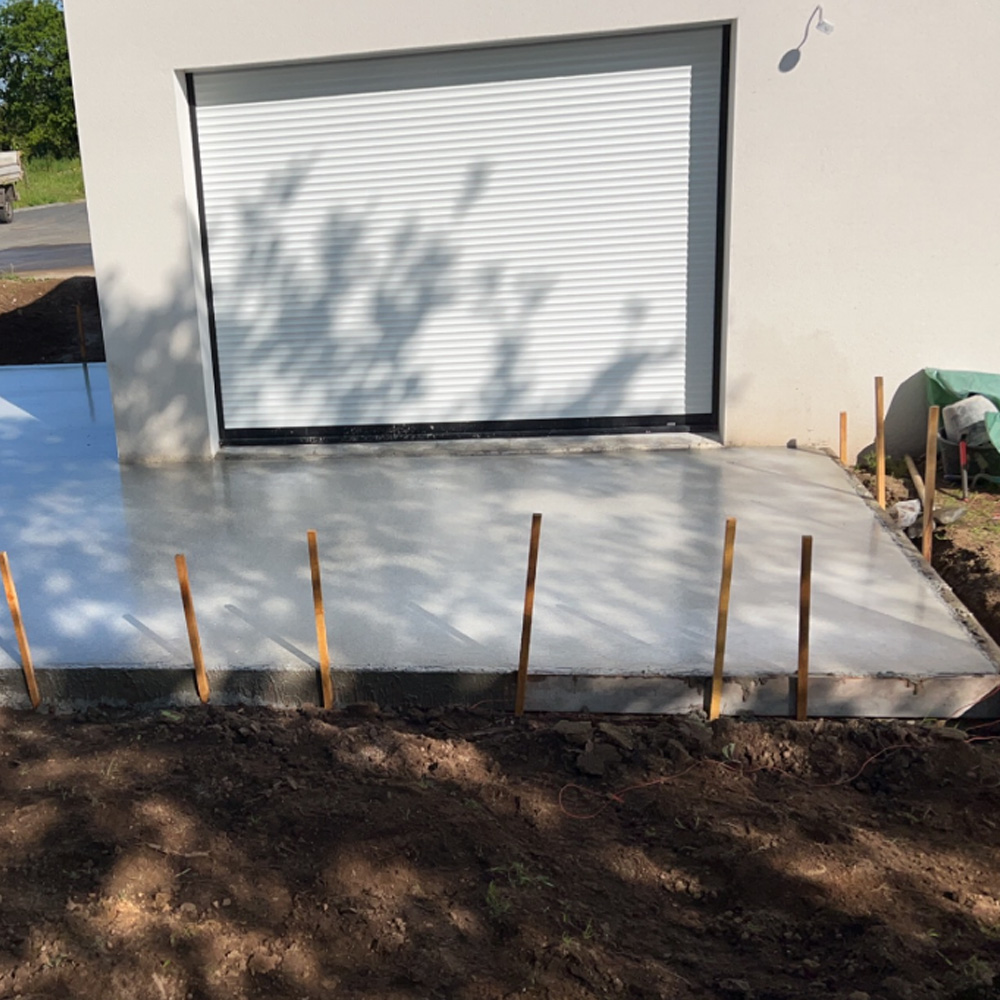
[191, 620]
[879, 440]
[201, 677]
[320, 616]
[930, 463]
[529, 607]
[930, 478]
[328, 694]
[722, 623]
[22, 637]
[805, 605]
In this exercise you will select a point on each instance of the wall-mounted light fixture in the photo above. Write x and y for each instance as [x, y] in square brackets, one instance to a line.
[791, 58]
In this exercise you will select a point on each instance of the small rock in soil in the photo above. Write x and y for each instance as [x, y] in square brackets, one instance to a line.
[573, 732]
[619, 736]
[695, 734]
[596, 761]
[261, 962]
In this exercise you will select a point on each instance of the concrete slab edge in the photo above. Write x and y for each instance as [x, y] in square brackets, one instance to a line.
[880, 696]
[583, 444]
[982, 639]
[120, 686]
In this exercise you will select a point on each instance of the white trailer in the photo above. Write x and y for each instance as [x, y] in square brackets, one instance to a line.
[10, 173]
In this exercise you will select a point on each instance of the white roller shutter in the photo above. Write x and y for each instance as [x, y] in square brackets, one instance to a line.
[513, 234]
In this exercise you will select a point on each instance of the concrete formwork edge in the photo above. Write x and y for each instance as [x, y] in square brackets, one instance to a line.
[877, 696]
[989, 648]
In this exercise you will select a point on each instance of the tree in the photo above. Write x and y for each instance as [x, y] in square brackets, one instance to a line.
[37, 114]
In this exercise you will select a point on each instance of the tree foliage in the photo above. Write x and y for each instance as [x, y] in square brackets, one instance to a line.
[37, 114]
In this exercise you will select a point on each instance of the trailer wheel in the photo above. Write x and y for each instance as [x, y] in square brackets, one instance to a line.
[7, 205]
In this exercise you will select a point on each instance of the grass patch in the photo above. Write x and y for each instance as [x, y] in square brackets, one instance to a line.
[497, 904]
[982, 518]
[48, 181]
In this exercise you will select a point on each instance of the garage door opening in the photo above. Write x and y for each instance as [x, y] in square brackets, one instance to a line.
[517, 240]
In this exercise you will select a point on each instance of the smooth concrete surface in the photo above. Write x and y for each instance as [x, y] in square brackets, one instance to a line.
[860, 200]
[423, 572]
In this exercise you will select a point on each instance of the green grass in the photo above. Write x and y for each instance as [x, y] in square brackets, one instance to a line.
[47, 181]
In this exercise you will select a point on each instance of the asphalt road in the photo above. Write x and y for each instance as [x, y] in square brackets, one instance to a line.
[52, 238]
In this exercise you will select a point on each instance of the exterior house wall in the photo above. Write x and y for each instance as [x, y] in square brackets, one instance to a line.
[861, 233]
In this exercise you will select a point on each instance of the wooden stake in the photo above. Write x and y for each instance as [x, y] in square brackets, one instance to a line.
[918, 480]
[805, 602]
[930, 476]
[321, 641]
[879, 442]
[529, 605]
[22, 637]
[715, 702]
[843, 437]
[201, 678]
[79, 330]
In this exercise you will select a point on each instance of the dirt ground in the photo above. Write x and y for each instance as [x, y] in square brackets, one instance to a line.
[967, 555]
[211, 853]
[38, 322]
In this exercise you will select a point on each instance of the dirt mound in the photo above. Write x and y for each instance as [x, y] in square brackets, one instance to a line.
[225, 853]
[38, 323]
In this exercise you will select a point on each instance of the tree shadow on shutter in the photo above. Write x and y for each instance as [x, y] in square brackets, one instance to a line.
[324, 330]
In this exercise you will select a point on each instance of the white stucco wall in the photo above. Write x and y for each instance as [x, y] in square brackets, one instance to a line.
[862, 205]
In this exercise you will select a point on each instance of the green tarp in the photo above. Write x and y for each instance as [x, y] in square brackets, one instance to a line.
[947, 387]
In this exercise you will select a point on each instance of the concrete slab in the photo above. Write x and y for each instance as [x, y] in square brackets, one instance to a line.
[424, 558]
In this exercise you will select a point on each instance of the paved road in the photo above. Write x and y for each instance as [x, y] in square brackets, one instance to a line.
[50, 238]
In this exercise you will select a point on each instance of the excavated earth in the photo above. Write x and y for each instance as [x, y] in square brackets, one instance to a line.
[224, 853]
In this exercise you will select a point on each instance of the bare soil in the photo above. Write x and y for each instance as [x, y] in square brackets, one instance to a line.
[966, 554]
[38, 323]
[214, 853]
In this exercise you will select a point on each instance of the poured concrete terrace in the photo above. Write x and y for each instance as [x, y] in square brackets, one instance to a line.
[424, 558]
